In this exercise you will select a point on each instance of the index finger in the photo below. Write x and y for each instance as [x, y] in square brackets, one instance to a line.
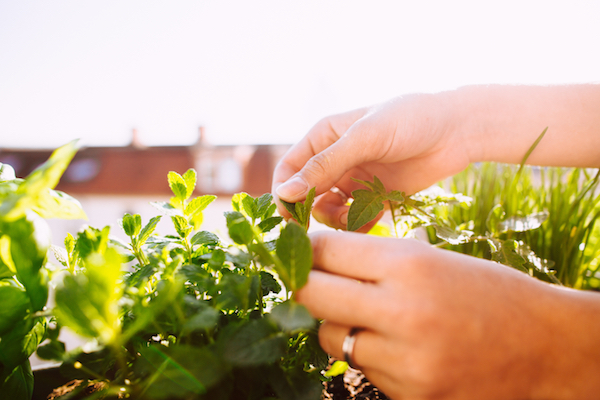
[323, 135]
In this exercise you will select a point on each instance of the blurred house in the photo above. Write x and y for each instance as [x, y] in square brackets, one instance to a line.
[110, 181]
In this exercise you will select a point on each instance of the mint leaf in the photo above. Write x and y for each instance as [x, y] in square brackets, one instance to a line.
[178, 186]
[292, 317]
[300, 211]
[189, 177]
[365, 207]
[198, 205]
[295, 252]
[240, 230]
[145, 233]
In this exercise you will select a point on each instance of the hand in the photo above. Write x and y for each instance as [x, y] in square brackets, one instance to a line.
[406, 142]
[442, 325]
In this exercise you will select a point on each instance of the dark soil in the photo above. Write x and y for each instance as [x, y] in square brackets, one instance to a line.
[350, 386]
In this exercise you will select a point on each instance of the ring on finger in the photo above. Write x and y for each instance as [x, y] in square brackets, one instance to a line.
[348, 347]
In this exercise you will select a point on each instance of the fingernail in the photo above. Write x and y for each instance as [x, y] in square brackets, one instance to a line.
[344, 219]
[292, 189]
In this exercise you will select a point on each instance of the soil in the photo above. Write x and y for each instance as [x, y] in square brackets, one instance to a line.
[352, 385]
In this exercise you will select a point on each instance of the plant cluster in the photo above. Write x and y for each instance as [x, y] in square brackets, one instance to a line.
[187, 316]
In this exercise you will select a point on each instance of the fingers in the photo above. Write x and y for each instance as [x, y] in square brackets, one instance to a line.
[340, 299]
[365, 352]
[377, 356]
[358, 256]
[319, 160]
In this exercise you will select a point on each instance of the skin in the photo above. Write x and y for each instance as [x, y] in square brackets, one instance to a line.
[440, 325]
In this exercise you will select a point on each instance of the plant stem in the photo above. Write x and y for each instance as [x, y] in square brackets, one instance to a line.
[395, 222]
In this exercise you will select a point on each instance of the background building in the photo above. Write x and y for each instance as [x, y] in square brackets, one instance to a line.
[112, 181]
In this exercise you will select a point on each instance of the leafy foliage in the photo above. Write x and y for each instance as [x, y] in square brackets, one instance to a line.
[300, 211]
[24, 242]
[189, 315]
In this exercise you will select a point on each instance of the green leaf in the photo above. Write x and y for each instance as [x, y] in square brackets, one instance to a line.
[337, 368]
[301, 211]
[36, 185]
[205, 238]
[167, 208]
[178, 186]
[295, 252]
[182, 227]
[91, 240]
[147, 230]
[237, 201]
[53, 350]
[56, 204]
[249, 204]
[88, 303]
[205, 319]
[291, 207]
[18, 384]
[395, 195]
[494, 218]
[268, 283]
[131, 224]
[190, 182]
[198, 205]
[29, 244]
[506, 252]
[365, 207]
[262, 205]
[20, 342]
[236, 292]
[254, 343]
[522, 224]
[376, 186]
[267, 224]
[15, 304]
[292, 317]
[240, 230]
[179, 372]
[270, 211]
[452, 236]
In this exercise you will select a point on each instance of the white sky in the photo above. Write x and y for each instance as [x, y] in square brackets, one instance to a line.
[263, 71]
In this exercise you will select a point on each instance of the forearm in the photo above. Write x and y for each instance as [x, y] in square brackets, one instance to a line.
[500, 123]
[572, 363]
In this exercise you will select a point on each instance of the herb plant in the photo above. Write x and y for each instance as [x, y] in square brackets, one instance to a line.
[24, 242]
[189, 315]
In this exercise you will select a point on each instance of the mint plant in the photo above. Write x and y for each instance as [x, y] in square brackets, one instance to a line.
[190, 315]
[24, 243]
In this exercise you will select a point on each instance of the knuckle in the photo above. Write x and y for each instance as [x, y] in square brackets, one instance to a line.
[319, 165]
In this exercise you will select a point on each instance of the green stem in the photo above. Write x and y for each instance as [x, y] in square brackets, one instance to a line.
[395, 222]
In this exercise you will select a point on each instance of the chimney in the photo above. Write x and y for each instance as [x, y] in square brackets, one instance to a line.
[136, 143]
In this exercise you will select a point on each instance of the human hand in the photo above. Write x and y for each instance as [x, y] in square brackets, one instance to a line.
[438, 324]
[407, 142]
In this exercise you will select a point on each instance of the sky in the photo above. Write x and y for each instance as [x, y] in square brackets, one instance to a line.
[254, 72]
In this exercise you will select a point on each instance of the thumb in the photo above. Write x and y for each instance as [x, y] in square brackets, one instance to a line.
[326, 168]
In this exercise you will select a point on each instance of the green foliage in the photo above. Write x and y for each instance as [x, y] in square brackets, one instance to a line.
[24, 242]
[179, 316]
[301, 211]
